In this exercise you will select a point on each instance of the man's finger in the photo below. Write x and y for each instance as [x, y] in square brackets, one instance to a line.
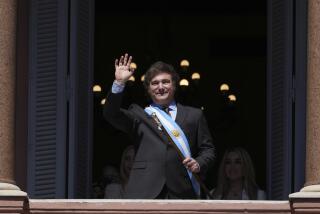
[121, 60]
[185, 161]
[129, 61]
[191, 164]
[125, 59]
[131, 70]
[195, 169]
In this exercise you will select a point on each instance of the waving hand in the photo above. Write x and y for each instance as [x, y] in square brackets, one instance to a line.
[122, 69]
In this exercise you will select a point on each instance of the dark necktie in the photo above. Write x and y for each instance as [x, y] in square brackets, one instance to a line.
[166, 109]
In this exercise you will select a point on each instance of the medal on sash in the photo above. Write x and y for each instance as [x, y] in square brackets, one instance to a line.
[175, 133]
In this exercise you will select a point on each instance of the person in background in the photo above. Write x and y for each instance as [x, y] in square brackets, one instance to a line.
[109, 174]
[127, 160]
[112, 180]
[115, 190]
[236, 177]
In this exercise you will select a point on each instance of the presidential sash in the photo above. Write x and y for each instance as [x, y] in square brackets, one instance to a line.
[178, 138]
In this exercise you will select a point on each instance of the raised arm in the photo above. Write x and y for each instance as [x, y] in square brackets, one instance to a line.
[119, 118]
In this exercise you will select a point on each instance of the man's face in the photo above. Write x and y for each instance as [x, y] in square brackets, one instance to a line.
[161, 89]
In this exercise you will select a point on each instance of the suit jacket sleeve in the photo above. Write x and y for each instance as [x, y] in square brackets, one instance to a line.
[121, 119]
[206, 149]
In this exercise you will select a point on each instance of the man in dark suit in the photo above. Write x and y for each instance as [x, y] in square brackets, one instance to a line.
[158, 171]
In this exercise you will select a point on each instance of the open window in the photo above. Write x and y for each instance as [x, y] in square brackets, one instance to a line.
[258, 48]
[224, 43]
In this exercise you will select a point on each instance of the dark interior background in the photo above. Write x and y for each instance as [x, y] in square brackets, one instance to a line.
[224, 41]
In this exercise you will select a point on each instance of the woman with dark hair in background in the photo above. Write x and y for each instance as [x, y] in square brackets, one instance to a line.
[115, 190]
[126, 164]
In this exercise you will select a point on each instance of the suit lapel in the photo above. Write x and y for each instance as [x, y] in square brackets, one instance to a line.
[181, 114]
[148, 120]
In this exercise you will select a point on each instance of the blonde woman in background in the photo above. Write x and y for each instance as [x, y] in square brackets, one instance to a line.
[236, 178]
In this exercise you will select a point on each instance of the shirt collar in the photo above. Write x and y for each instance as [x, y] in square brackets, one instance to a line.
[172, 106]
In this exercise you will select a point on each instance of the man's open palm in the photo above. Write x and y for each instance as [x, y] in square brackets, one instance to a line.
[122, 68]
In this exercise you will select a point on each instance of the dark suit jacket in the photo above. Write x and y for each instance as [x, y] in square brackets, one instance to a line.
[157, 163]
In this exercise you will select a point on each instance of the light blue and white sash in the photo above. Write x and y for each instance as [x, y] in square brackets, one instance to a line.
[177, 136]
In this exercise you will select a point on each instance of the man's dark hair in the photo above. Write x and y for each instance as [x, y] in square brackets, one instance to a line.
[157, 68]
